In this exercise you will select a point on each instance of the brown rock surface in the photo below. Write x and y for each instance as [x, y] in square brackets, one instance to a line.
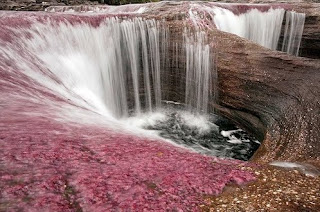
[274, 190]
[274, 95]
[259, 87]
[310, 43]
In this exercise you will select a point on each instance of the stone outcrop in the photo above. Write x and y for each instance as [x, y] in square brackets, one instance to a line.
[270, 93]
[310, 43]
[274, 95]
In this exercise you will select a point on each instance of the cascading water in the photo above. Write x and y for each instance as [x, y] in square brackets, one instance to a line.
[104, 65]
[293, 32]
[264, 28]
[199, 71]
[117, 52]
[261, 27]
[261, 24]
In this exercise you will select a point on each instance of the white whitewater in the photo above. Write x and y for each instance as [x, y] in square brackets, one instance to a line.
[293, 32]
[307, 169]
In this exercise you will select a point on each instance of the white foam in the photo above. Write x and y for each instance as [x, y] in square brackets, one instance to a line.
[229, 132]
[231, 138]
[145, 119]
[234, 141]
[199, 122]
[307, 169]
[173, 102]
[285, 164]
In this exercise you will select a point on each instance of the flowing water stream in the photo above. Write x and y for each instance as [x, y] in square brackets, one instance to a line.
[117, 68]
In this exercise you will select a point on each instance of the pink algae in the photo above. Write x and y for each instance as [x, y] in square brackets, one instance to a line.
[94, 169]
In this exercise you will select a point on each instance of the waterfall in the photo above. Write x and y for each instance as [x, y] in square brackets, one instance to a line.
[293, 32]
[117, 67]
[261, 27]
[104, 65]
[198, 72]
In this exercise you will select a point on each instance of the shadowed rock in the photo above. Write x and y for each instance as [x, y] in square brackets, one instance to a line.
[270, 93]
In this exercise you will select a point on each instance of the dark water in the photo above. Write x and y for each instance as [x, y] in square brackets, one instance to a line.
[220, 137]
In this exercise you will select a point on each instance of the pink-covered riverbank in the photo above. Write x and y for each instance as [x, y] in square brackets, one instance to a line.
[60, 167]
